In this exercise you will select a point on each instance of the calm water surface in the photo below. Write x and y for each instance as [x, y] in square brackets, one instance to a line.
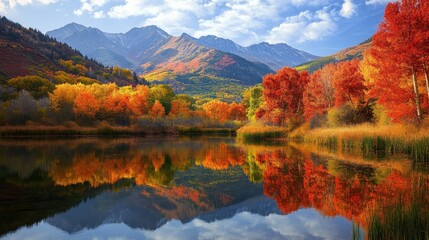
[189, 188]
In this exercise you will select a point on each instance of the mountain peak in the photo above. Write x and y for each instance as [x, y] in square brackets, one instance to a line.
[148, 30]
[77, 26]
[187, 36]
[66, 31]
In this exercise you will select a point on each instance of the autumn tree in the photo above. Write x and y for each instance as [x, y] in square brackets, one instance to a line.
[283, 94]
[85, 107]
[348, 84]
[423, 34]
[61, 77]
[318, 96]
[164, 94]
[62, 100]
[236, 112]
[140, 100]
[216, 110]
[35, 85]
[157, 110]
[398, 49]
[86, 80]
[179, 108]
[117, 108]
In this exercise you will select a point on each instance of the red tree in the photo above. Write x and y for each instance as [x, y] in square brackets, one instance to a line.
[318, 96]
[86, 105]
[283, 93]
[348, 83]
[157, 110]
[398, 48]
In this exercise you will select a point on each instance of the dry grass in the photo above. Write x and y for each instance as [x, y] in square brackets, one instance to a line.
[67, 130]
[372, 141]
[403, 132]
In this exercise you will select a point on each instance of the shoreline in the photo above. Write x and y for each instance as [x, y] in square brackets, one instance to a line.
[371, 141]
[110, 131]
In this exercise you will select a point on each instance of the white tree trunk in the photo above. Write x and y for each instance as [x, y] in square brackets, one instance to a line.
[417, 96]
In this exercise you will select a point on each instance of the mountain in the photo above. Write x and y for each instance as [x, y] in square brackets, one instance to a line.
[275, 56]
[150, 207]
[29, 52]
[181, 62]
[341, 56]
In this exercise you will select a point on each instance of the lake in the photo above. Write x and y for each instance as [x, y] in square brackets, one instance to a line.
[193, 188]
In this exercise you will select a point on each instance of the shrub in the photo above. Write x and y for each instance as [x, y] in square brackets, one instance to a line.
[347, 115]
[318, 120]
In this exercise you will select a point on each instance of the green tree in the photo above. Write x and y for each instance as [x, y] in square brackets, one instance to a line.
[252, 100]
[35, 85]
[164, 94]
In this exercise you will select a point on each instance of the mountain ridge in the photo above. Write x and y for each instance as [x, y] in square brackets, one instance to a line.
[179, 61]
[340, 56]
[275, 56]
[29, 52]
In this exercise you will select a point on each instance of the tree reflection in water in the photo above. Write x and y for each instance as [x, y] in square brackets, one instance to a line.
[77, 169]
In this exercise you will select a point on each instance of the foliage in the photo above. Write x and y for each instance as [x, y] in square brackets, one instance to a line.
[222, 111]
[157, 110]
[397, 56]
[22, 109]
[35, 85]
[283, 93]
[318, 96]
[252, 100]
[348, 83]
[164, 94]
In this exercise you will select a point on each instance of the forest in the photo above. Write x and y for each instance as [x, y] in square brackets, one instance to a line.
[388, 85]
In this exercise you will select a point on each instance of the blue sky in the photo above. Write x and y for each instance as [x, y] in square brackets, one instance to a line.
[320, 27]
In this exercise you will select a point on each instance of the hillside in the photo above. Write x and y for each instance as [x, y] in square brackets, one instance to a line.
[181, 62]
[343, 55]
[29, 52]
[195, 69]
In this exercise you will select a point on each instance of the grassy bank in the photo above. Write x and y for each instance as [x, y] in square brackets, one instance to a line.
[107, 130]
[403, 220]
[207, 131]
[11, 131]
[372, 141]
[259, 133]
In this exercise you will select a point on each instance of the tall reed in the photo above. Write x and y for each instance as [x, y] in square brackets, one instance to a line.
[402, 220]
[373, 142]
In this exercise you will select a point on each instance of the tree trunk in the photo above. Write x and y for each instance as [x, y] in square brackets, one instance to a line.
[427, 80]
[417, 96]
[351, 101]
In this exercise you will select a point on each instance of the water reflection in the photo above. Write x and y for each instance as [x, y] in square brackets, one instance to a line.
[202, 188]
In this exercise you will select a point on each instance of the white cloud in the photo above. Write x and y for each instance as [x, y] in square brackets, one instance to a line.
[372, 2]
[310, 3]
[2, 7]
[99, 14]
[6, 5]
[306, 26]
[174, 17]
[348, 9]
[242, 21]
[302, 224]
[89, 6]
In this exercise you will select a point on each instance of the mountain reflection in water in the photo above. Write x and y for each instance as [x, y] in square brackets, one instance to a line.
[188, 188]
